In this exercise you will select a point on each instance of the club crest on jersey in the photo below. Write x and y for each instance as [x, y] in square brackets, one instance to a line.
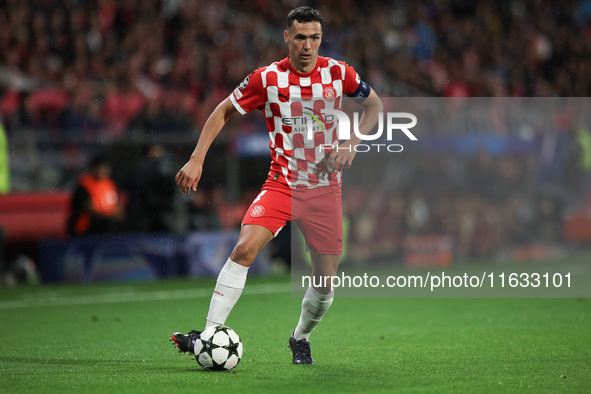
[257, 211]
[244, 83]
[329, 93]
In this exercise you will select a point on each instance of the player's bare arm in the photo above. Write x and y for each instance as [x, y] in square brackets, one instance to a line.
[372, 107]
[188, 177]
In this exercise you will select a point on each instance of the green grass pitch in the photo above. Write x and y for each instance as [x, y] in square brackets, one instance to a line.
[114, 338]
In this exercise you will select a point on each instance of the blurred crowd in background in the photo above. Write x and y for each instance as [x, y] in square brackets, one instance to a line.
[79, 75]
[103, 68]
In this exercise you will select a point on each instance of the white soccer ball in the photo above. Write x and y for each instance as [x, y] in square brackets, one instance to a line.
[219, 348]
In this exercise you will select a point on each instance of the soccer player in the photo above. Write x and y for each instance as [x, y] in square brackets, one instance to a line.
[304, 182]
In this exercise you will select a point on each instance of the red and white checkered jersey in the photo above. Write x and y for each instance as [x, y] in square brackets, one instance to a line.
[292, 103]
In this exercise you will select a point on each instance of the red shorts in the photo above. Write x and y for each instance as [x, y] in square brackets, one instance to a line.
[317, 212]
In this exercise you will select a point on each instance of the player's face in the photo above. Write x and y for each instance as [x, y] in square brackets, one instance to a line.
[303, 40]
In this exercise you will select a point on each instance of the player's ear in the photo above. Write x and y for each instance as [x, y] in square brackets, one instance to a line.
[285, 35]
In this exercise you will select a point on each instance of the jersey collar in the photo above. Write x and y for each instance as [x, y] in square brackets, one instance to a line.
[288, 65]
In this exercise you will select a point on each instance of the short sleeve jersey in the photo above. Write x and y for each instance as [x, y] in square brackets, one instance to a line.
[300, 136]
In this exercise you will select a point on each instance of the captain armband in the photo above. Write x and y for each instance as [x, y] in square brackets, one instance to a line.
[361, 93]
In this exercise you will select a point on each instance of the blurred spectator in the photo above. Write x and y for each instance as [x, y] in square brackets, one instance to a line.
[96, 205]
[481, 175]
[152, 119]
[164, 114]
[4, 162]
[132, 51]
[81, 119]
[4, 188]
[152, 200]
[202, 213]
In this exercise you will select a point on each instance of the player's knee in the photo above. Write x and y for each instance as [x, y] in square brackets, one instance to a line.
[325, 265]
[244, 253]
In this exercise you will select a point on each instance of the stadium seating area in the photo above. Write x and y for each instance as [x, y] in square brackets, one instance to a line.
[84, 67]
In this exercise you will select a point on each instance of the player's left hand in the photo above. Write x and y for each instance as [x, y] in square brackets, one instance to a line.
[188, 177]
[342, 158]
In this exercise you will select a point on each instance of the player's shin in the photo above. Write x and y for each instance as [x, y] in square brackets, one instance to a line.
[228, 289]
[314, 306]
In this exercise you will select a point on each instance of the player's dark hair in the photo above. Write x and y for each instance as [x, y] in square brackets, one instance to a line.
[304, 15]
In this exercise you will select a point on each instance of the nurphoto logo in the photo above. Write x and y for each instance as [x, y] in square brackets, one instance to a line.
[388, 122]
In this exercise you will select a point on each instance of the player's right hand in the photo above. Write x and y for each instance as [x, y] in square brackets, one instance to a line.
[188, 176]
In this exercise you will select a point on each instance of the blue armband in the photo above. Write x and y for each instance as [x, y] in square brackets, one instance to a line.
[361, 93]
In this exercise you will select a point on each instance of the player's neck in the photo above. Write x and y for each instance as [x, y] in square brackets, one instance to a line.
[297, 67]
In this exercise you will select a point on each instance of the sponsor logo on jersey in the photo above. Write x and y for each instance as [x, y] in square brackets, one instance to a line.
[310, 122]
[257, 211]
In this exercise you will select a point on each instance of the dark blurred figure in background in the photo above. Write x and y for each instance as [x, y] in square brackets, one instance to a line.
[202, 214]
[4, 162]
[96, 206]
[4, 188]
[152, 205]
